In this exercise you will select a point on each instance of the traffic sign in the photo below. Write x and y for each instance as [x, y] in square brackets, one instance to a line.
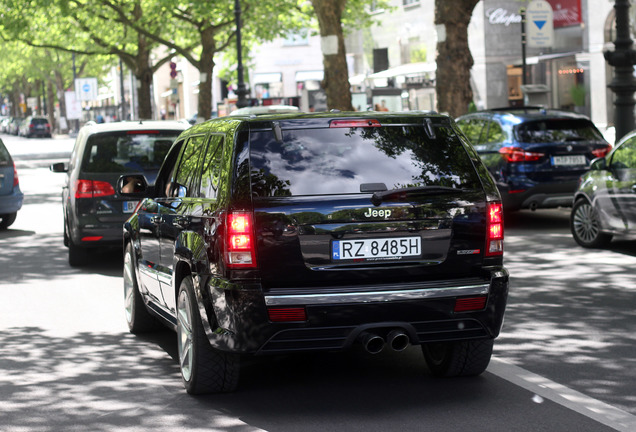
[539, 24]
[86, 89]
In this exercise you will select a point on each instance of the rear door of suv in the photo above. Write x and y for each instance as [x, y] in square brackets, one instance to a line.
[367, 201]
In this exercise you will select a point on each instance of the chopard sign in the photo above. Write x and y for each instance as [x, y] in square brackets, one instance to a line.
[497, 16]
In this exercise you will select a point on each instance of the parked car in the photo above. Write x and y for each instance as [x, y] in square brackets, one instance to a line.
[304, 232]
[535, 156]
[14, 126]
[605, 202]
[35, 126]
[11, 196]
[93, 212]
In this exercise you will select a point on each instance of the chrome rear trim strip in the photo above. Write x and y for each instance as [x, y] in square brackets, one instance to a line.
[376, 296]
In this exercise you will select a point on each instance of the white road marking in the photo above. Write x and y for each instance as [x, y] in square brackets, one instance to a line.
[571, 399]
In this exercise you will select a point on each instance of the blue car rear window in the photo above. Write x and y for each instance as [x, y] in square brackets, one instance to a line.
[557, 130]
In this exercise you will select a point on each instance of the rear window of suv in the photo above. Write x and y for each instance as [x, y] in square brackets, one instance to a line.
[339, 160]
[127, 151]
[5, 159]
[39, 121]
[557, 130]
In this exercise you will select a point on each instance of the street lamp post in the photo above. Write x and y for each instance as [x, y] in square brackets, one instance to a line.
[623, 59]
[240, 91]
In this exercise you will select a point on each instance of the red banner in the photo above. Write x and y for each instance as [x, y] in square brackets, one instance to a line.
[566, 12]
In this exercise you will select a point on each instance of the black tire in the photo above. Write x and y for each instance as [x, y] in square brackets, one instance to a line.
[586, 227]
[77, 256]
[453, 359]
[138, 318]
[7, 220]
[203, 368]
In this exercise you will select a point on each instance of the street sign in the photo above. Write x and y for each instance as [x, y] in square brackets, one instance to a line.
[86, 89]
[539, 24]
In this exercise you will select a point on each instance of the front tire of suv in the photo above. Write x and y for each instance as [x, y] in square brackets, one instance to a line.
[452, 359]
[203, 368]
[586, 227]
[137, 316]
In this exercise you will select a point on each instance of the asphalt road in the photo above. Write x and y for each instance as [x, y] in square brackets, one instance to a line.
[564, 361]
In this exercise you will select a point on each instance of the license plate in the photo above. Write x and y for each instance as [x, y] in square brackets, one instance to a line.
[569, 160]
[375, 249]
[129, 206]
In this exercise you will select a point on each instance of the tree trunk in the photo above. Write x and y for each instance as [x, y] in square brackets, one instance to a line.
[61, 89]
[454, 60]
[50, 104]
[143, 74]
[206, 67]
[336, 75]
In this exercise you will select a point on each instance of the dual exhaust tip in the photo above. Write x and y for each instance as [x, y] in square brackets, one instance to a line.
[396, 339]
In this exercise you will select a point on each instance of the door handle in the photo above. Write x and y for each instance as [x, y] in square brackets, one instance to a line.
[156, 220]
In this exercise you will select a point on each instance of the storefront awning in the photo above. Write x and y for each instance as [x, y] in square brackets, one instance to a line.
[267, 78]
[405, 70]
[357, 79]
[303, 76]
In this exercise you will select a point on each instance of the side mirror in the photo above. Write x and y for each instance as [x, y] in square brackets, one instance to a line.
[134, 186]
[598, 164]
[59, 167]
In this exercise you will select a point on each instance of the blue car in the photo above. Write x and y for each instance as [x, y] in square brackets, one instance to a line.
[10, 195]
[536, 156]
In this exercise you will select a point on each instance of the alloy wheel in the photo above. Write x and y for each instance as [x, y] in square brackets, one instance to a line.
[585, 223]
[184, 335]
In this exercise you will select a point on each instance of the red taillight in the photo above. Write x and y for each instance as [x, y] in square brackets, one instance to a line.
[601, 152]
[240, 240]
[31, 126]
[495, 230]
[470, 304]
[517, 154]
[92, 238]
[354, 123]
[93, 189]
[16, 181]
[286, 314]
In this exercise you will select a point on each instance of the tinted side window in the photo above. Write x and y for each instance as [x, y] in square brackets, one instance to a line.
[625, 156]
[212, 167]
[185, 180]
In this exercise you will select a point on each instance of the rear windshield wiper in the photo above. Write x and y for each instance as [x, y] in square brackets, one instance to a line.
[378, 197]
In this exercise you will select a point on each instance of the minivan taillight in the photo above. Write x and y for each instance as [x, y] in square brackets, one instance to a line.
[240, 240]
[16, 181]
[495, 230]
[93, 189]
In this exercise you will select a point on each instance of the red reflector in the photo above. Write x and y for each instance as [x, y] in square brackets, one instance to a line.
[287, 314]
[470, 304]
[93, 238]
[354, 123]
[516, 191]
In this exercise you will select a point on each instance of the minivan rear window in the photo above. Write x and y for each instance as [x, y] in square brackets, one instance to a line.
[121, 152]
[339, 160]
[557, 130]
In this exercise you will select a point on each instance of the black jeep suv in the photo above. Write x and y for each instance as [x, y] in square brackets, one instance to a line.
[302, 232]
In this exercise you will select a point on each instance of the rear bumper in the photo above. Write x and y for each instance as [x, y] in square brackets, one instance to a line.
[335, 319]
[545, 195]
[11, 203]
